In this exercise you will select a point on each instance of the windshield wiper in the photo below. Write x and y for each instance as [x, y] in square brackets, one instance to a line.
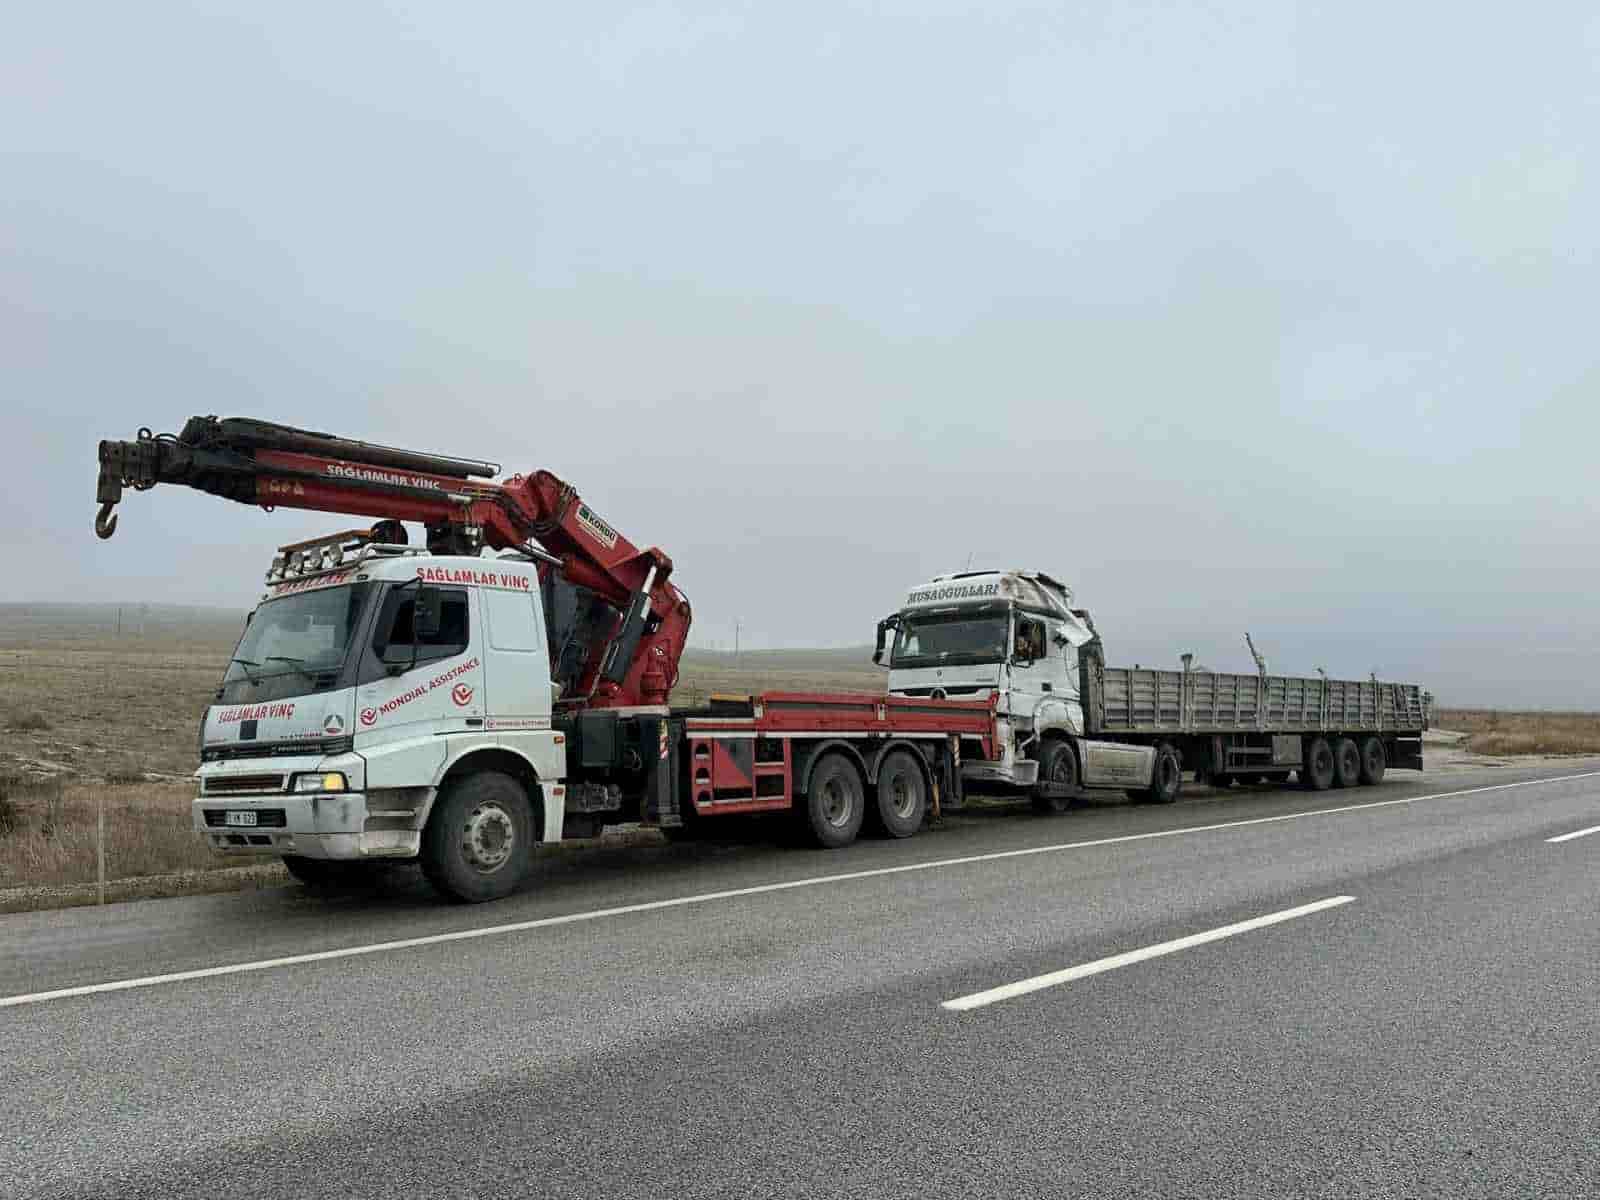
[247, 663]
[320, 678]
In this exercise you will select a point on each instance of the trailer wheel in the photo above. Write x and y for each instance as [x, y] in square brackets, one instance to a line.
[1317, 772]
[1346, 763]
[901, 795]
[1373, 761]
[1166, 780]
[479, 839]
[835, 802]
[1057, 786]
[323, 873]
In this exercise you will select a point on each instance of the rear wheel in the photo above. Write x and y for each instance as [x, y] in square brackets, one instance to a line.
[1317, 771]
[1346, 763]
[1166, 780]
[835, 802]
[479, 839]
[902, 795]
[1057, 785]
[1373, 761]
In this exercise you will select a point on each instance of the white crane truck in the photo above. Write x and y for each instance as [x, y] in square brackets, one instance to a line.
[1067, 723]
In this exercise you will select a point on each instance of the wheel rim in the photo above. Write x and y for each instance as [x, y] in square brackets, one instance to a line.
[1351, 760]
[1061, 771]
[903, 795]
[837, 803]
[488, 838]
[1374, 761]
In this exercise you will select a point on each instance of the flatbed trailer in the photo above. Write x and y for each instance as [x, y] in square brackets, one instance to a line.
[1234, 726]
[838, 759]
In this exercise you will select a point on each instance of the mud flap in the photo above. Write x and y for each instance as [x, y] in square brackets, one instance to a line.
[1406, 753]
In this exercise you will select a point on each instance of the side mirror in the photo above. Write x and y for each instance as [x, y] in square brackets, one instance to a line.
[428, 615]
[884, 626]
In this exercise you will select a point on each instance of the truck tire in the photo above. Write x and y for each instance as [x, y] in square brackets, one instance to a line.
[835, 803]
[1166, 779]
[325, 873]
[1057, 785]
[901, 797]
[1346, 763]
[479, 839]
[1373, 761]
[1317, 772]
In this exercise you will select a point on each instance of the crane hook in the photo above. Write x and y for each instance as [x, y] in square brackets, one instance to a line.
[105, 521]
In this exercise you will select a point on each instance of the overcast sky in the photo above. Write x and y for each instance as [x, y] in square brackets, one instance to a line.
[1265, 316]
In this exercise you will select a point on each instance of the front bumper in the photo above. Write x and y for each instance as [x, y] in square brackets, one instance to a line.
[332, 825]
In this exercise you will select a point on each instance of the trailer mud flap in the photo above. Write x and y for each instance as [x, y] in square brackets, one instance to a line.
[1406, 753]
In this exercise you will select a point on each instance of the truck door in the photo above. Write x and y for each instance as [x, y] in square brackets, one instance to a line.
[413, 685]
[516, 659]
[1032, 675]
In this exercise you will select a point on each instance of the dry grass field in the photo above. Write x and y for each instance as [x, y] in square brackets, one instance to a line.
[90, 715]
[1519, 733]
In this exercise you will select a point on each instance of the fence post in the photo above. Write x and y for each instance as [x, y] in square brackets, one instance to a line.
[100, 841]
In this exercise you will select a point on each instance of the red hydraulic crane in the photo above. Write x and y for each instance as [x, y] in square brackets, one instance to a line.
[628, 622]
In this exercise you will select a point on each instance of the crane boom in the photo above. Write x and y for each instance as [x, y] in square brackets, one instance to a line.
[626, 650]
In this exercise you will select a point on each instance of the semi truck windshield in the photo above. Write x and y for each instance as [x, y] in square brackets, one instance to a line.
[294, 645]
[949, 639]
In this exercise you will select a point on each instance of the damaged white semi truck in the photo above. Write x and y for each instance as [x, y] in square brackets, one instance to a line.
[1068, 723]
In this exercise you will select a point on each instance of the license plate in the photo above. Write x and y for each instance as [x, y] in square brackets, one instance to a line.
[241, 818]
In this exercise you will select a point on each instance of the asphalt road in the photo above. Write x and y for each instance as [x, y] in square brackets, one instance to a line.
[1436, 1034]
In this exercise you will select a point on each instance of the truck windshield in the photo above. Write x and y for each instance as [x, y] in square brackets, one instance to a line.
[294, 645]
[949, 639]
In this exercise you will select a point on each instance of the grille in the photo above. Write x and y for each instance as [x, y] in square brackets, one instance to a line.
[266, 818]
[232, 785]
[339, 745]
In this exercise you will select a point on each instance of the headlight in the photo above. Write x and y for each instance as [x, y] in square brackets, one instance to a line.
[319, 781]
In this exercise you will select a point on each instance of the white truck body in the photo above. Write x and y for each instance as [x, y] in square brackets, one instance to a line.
[322, 691]
[957, 637]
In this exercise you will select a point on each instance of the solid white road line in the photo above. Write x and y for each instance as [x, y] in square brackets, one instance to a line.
[1083, 970]
[121, 985]
[1578, 833]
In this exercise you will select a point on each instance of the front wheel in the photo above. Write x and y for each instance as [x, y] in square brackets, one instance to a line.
[1057, 785]
[479, 839]
[1166, 780]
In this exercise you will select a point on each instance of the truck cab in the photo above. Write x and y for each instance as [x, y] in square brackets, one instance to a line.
[368, 680]
[1013, 634]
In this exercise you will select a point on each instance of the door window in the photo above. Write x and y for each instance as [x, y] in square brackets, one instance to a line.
[394, 637]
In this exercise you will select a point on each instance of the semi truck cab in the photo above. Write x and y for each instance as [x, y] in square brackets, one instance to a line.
[1011, 633]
